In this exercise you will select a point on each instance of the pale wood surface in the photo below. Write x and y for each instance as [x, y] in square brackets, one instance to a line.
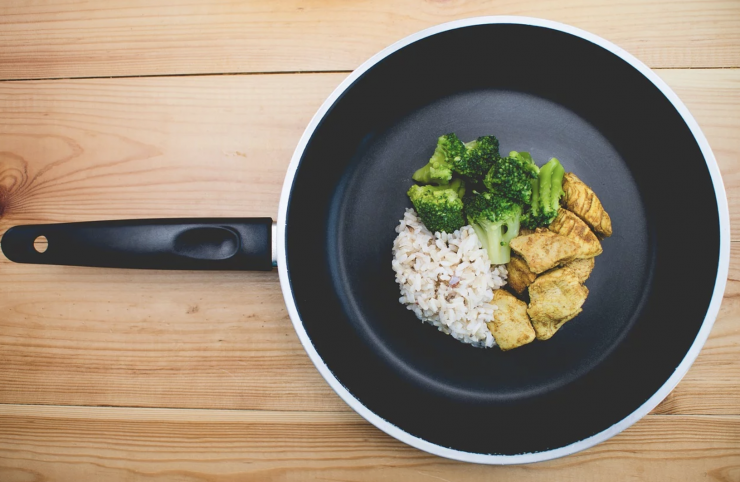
[72, 444]
[53, 39]
[172, 351]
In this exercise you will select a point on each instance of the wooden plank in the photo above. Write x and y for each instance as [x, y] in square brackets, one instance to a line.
[127, 338]
[212, 146]
[147, 147]
[58, 39]
[69, 444]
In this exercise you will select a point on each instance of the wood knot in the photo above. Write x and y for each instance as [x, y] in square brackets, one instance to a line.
[13, 181]
[37, 153]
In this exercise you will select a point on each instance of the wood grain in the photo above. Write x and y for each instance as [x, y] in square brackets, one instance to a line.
[70, 444]
[193, 146]
[146, 147]
[60, 39]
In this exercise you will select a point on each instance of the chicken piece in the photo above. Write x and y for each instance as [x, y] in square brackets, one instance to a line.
[555, 297]
[544, 249]
[545, 331]
[520, 277]
[581, 267]
[568, 224]
[580, 199]
[510, 326]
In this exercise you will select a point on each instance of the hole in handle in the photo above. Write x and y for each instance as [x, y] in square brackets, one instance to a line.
[41, 244]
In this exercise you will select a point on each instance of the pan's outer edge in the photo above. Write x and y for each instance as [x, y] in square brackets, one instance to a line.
[652, 402]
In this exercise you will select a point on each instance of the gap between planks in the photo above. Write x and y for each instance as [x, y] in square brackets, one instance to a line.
[206, 74]
[174, 414]
[275, 72]
[218, 415]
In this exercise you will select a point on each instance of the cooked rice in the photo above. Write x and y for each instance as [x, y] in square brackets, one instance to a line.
[446, 279]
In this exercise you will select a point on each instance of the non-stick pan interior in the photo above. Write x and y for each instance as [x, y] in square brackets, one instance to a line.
[554, 95]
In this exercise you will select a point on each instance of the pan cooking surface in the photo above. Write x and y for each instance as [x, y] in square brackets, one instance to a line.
[365, 232]
[551, 94]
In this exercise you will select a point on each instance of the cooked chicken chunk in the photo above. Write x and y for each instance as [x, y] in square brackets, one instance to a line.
[544, 249]
[568, 224]
[580, 199]
[510, 326]
[555, 297]
[581, 267]
[545, 330]
[520, 277]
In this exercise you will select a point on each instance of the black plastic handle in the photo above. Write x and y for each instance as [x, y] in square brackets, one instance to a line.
[204, 244]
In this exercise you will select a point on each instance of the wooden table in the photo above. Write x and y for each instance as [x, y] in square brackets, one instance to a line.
[138, 108]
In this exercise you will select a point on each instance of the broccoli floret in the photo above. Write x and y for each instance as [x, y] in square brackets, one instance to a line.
[495, 220]
[472, 159]
[440, 166]
[551, 187]
[458, 186]
[440, 207]
[512, 177]
[533, 218]
[546, 194]
[526, 158]
[478, 158]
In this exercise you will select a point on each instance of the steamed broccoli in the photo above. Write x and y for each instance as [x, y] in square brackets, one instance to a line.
[440, 166]
[458, 186]
[551, 186]
[495, 220]
[512, 176]
[526, 158]
[439, 207]
[480, 155]
[533, 217]
[546, 194]
[472, 159]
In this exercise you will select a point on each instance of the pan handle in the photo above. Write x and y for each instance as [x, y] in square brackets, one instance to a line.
[202, 244]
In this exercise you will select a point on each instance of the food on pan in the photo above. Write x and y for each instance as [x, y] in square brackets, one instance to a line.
[446, 279]
[451, 156]
[581, 267]
[520, 276]
[481, 219]
[568, 224]
[510, 327]
[495, 220]
[555, 297]
[547, 189]
[440, 207]
[525, 231]
[543, 250]
[581, 200]
[513, 177]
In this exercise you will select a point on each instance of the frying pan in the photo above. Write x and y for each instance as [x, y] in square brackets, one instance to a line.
[541, 87]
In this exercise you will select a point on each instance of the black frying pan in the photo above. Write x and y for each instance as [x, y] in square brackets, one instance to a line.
[541, 87]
